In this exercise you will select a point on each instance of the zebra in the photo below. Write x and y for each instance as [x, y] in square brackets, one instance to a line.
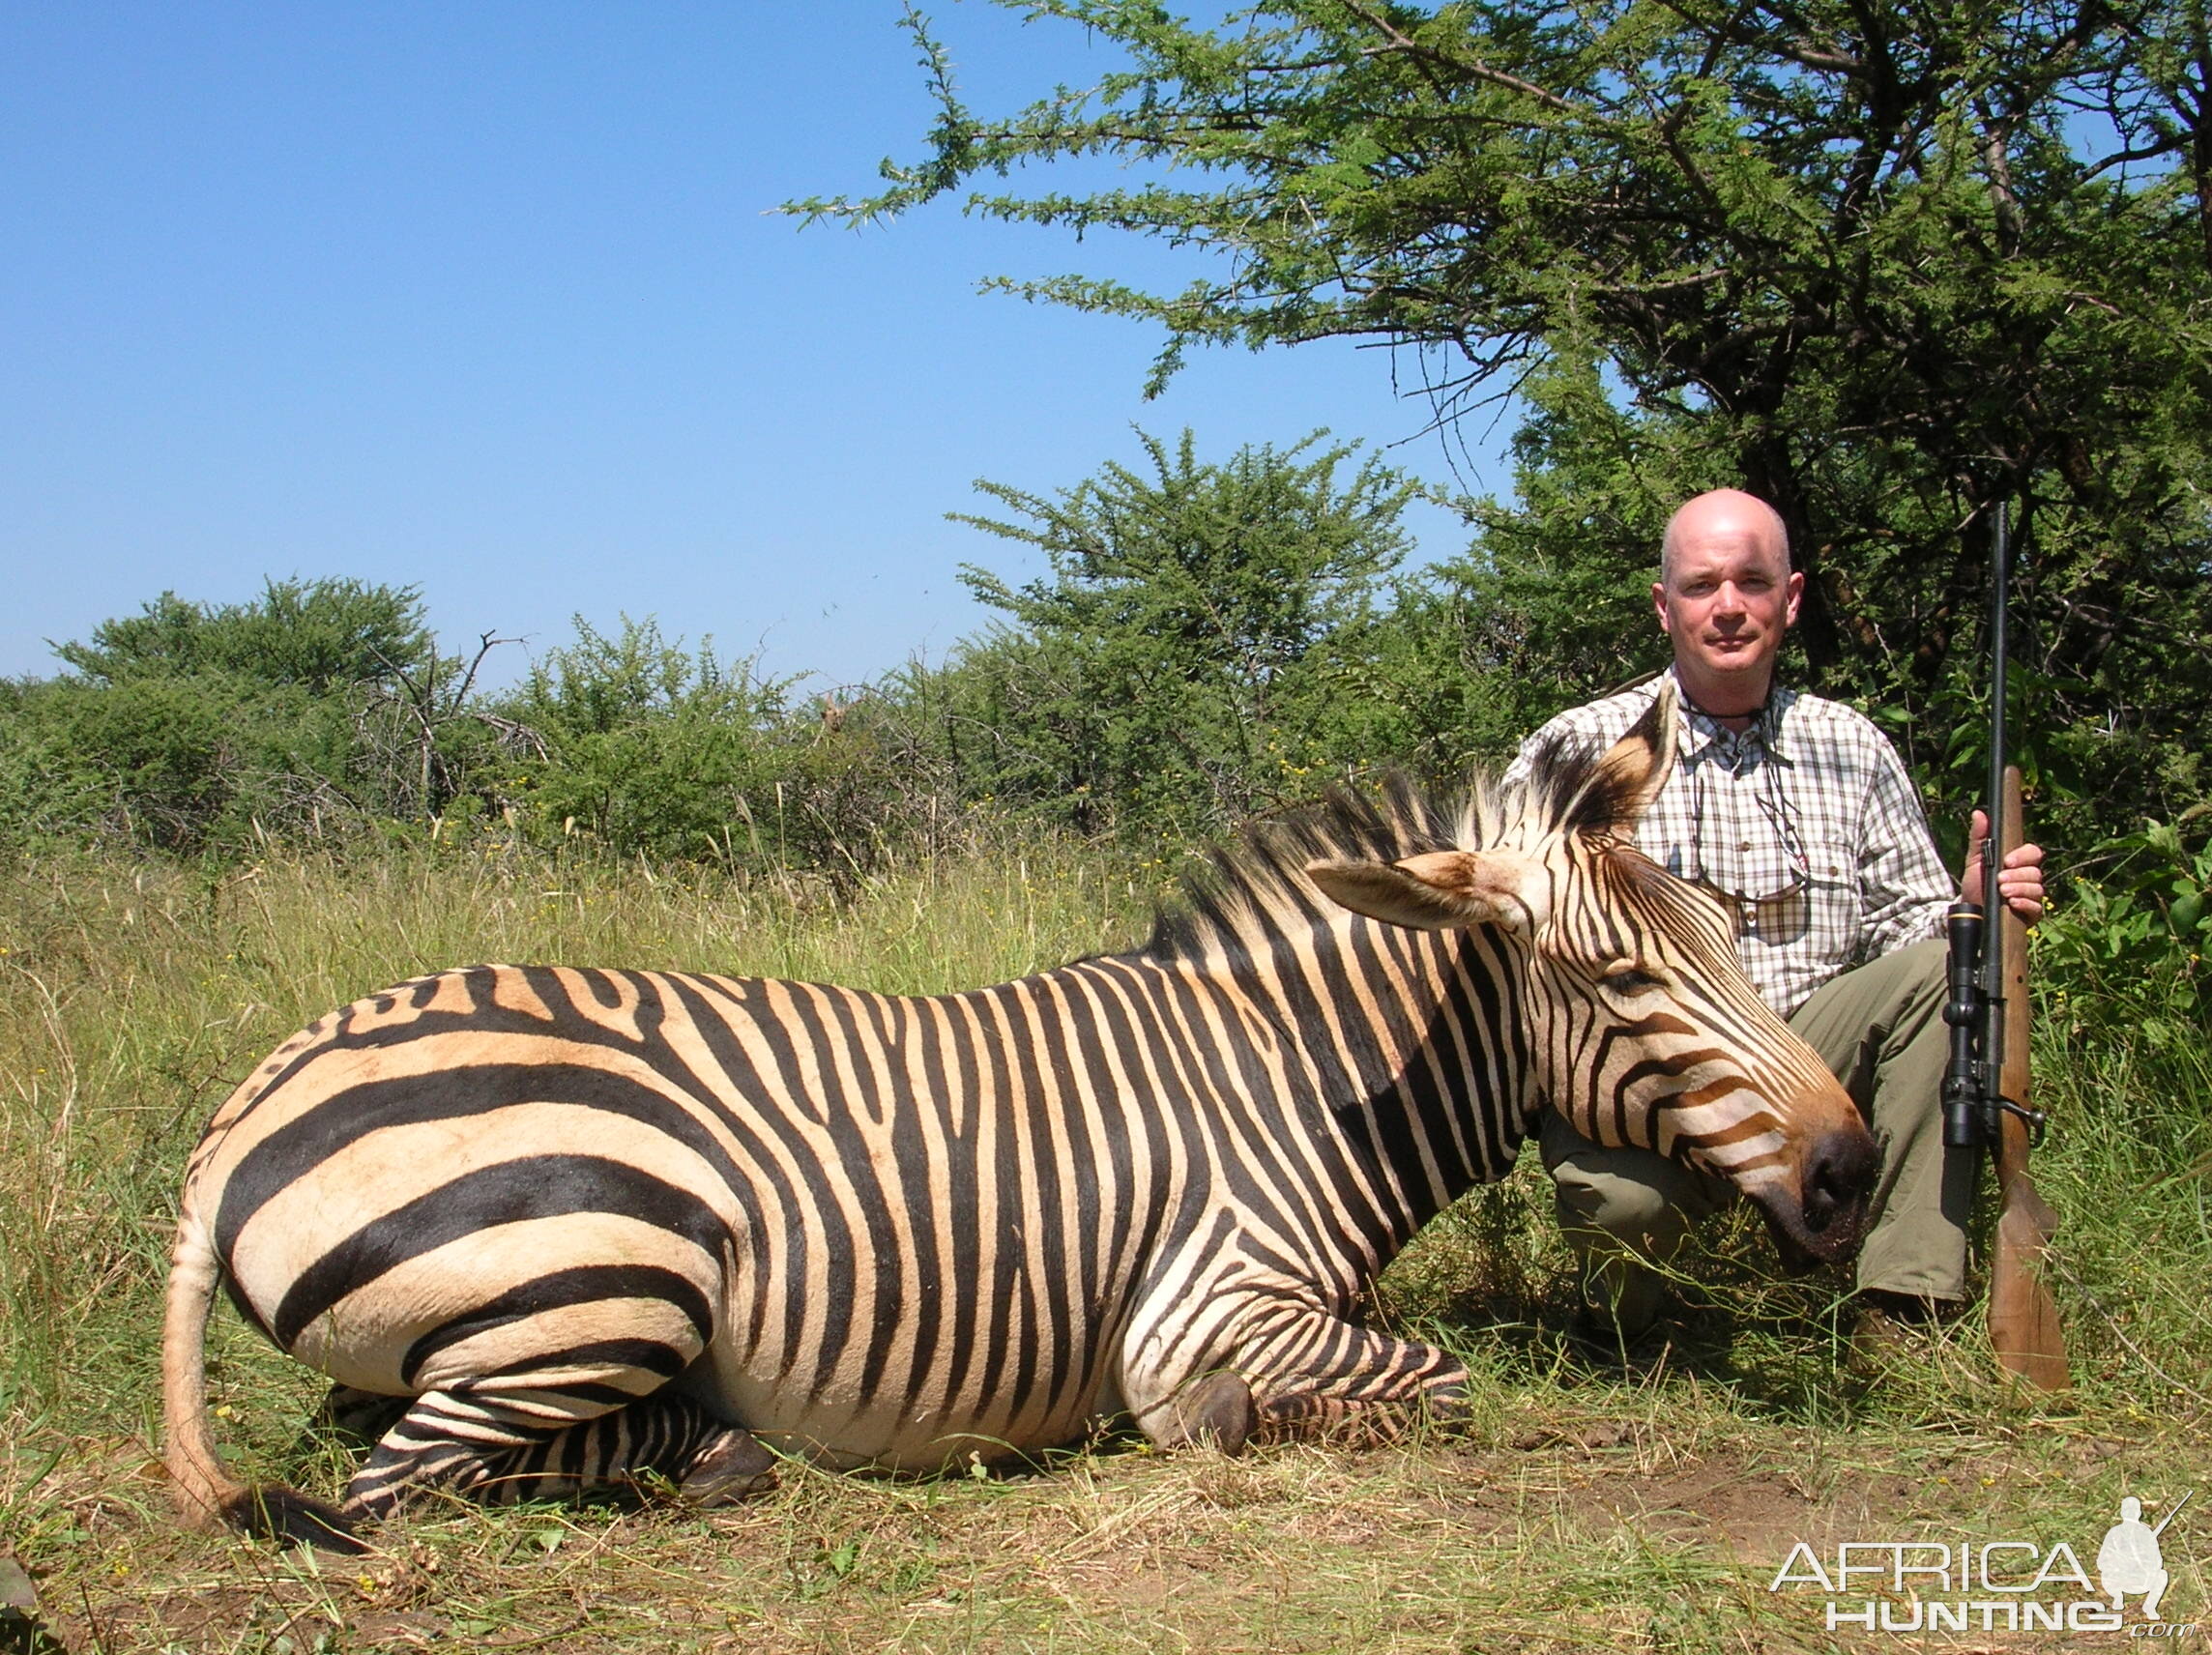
[580, 1232]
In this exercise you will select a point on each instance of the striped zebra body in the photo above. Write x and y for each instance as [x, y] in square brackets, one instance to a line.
[590, 1224]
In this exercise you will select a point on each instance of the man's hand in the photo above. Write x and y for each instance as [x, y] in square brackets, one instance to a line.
[2019, 880]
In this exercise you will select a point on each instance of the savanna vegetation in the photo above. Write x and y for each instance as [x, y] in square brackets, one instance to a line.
[1883, 264]
[1644, 1504]
[1888, 266]
[229, 819]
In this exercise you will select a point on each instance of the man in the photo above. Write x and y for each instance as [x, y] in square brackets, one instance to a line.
[1799, 812]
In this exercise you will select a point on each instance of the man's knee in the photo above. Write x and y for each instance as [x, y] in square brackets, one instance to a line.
[1868, 1020]
[1619, 1205]
[1637, 1196]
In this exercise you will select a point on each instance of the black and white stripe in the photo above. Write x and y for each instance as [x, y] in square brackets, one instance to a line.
[591, 1225]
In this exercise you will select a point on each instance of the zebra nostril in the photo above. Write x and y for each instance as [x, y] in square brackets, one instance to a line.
[1839, 1177]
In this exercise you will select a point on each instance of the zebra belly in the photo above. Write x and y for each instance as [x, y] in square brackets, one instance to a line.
[892, 1435]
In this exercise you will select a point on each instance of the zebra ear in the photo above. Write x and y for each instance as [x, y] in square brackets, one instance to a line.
[1629, 774]
[1441, 891]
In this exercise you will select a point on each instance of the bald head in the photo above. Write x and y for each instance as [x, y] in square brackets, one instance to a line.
[1728, 511]
[1724, 596]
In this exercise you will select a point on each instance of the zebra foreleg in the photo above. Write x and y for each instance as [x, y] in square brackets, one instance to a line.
[501, 1450]
[1365, 1421]
[1289, 1375]
[1345, 1379]
[663, 1439]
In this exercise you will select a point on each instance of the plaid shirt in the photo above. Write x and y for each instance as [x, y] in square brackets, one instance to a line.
[1806, 820]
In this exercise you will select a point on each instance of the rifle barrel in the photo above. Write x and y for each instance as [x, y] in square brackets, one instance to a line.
[2170, 1516]
[1992, 857]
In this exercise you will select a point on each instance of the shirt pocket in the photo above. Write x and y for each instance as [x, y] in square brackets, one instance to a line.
[1816, 919]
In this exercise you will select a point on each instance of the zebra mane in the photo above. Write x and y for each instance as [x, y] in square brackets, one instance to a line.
[1258, 881]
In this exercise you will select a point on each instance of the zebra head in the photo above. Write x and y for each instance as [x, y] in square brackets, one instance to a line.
[1643, 1028]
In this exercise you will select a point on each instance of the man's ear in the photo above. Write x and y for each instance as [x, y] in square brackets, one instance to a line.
[1629, 774]
[1441, 891]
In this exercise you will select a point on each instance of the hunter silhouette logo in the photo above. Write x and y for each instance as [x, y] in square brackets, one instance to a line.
[2130, 1561]
[1993, 1585]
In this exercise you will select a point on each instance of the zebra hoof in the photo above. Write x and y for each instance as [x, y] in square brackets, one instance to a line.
[1217, 1412]
[732, 1467]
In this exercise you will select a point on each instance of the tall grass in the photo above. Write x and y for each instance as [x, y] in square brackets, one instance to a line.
[137, 994]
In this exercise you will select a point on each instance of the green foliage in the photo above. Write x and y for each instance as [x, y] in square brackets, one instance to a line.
[643, 746]
[319, 707]
[2122, 1002]
[2125, 953]
[1883, 266]
[157, 760]
[320, 635]
[1195, 651]
[218, 732]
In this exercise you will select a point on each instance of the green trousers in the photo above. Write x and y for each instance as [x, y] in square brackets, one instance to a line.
[1880, 1029]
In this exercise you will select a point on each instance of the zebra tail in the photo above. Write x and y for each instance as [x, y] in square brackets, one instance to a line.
[205, 1494]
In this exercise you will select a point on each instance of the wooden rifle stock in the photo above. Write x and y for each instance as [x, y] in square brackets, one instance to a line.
[2024, 1317]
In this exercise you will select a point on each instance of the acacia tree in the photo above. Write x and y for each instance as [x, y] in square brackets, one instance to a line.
[1187, 657]
[322, 635]
[1885, 262]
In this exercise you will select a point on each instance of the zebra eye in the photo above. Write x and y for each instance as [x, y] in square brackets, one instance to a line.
[1629, 980]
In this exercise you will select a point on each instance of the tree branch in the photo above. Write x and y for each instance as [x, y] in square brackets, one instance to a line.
[1397, 41]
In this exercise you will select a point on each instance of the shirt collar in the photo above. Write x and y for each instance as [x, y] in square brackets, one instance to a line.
[1701, 733]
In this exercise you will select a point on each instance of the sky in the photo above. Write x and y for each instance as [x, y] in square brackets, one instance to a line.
[492, 301]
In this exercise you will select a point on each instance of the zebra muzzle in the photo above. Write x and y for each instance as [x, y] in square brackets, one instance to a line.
[1829, 1220]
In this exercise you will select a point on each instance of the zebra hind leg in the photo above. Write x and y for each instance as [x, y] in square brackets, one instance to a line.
[346, 1425]
[504, 1450]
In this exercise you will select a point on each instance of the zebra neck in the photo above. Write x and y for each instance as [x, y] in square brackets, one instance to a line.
[1402, 1053]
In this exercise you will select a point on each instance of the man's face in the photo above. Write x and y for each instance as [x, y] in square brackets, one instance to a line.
[1725, 603]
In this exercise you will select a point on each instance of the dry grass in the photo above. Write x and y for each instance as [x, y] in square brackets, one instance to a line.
[1607, 1521]
[1589, 1506]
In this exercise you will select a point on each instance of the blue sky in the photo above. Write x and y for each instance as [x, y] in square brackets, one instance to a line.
[491, 299]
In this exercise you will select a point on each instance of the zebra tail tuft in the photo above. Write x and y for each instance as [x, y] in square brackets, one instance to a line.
[205, 1494]
[291, 1518]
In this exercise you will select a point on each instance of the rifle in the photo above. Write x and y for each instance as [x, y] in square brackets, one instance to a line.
[2170, 1516]
[1985, 1087]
